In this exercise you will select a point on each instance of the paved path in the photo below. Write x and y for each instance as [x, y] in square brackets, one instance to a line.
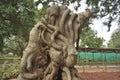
[110, 68]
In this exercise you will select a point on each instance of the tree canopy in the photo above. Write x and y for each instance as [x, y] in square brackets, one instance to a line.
[110, 9]
[89, 38]
[114, 42]
[17, 17]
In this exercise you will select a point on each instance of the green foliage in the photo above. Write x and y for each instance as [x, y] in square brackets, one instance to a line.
[100, 8]
[14, 15]
[115, 39]
[9, 70]
[55, 2]
[17, 18]
[89, 38]
[16, 46]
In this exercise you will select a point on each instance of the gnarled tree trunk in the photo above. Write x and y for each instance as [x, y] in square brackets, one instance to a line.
[51, 54]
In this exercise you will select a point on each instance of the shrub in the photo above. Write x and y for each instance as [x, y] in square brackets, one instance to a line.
[9, 70]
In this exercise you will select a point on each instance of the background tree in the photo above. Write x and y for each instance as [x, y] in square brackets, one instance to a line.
[89, 38]
[17, 17]
[114, 42]
[110, 9]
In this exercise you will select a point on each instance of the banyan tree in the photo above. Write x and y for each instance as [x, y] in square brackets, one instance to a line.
[50, 53]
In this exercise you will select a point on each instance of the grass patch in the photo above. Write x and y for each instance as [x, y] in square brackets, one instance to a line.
[9, 57]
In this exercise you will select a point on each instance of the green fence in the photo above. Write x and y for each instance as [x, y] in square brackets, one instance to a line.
[98, 56]
[108, 57]
[98, 59]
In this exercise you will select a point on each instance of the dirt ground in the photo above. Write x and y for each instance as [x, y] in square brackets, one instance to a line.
[100, 75]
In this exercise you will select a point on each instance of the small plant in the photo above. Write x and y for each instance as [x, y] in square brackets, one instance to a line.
[9, 70]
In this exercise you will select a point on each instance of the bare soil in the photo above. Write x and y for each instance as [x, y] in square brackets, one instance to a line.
[100, 75]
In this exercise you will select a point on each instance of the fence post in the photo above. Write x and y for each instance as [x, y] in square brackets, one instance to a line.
[93, 57]
[105, 63]
[116, 57]
[85, 57]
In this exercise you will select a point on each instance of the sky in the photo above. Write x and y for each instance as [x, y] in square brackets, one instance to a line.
[102, 30]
